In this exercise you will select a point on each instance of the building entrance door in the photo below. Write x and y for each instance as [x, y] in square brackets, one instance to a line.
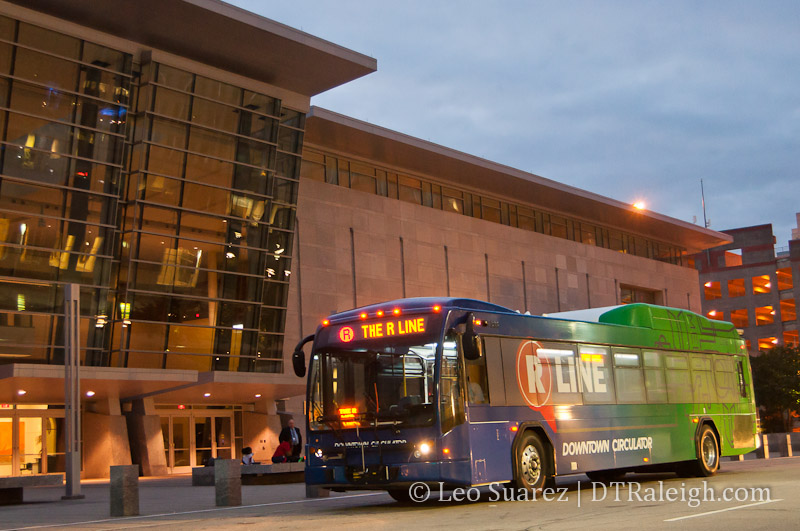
[31, 441]
[192, 438]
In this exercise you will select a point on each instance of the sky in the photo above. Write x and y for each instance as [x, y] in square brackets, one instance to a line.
[634, 100]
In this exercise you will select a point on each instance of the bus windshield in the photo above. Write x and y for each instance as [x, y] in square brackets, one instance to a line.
[386, 385]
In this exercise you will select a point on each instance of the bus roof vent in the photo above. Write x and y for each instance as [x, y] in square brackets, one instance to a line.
[668, 320]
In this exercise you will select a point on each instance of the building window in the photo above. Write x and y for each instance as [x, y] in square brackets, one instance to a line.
[784, 275]
[630, 294]
[788, 310]
[736, 287]
[739, 318]
[615, 241]
[313, 167]
[362, 177]
[409, 190]
[490, 210]
[791, 339]
[761, 284]
[453, 200]
[765, 315]
[420, 191]
[766, 343]
[587, 234]
[712, 290]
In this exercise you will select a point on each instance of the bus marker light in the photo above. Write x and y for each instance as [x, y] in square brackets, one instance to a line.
[514, 428]
[446, 451]
[695, 420]
[325, 322]
[363, 315]
[380, 313]
[646, 459]
[437, 308]
[396, 311]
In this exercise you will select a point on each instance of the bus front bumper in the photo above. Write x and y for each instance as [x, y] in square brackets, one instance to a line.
[453, 473]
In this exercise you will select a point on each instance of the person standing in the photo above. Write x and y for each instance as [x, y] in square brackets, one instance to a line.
[291, 434]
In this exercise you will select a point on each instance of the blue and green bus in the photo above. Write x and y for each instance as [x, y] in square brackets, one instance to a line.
[458, 392]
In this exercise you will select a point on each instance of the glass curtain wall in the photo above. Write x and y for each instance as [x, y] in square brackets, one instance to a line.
[207, 231]
[63, 111]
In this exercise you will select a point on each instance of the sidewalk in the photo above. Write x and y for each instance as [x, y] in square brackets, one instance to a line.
[44, 507]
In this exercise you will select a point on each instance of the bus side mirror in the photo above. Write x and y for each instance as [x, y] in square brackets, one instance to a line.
[299, 357]
[299, 363]
[471, 341]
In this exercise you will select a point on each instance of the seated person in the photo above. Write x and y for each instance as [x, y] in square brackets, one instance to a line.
[247, 456]
[476, 393]
[283, 453]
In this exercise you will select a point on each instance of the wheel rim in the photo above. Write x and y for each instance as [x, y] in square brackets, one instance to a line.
[709, 452]
[531, 463]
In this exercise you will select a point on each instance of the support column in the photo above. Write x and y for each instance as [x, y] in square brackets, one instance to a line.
[72, 391]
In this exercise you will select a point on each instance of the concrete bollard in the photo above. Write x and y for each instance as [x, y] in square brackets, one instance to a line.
[228, 482]
[781, 444]
[125, 490]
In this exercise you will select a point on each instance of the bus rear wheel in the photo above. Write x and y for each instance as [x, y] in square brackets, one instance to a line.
[707, 462]
[533, 464]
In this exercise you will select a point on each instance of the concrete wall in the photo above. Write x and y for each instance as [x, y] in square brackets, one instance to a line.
[146, 439]
[105, 443]
[485, 260]
[260, 432]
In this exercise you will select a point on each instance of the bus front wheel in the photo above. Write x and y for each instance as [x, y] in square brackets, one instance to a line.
[533, 464]
[707, 462]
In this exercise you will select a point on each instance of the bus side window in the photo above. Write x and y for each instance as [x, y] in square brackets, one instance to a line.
[679, 384]
[594, 375]
[654, 381]
[477, 379]
[628, 374]
[726, 379]
[451, 390]
[560, 357]
[742, 382]
[702, 379]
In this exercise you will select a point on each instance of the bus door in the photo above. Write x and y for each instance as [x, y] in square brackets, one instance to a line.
[744, 421]
[490, 437]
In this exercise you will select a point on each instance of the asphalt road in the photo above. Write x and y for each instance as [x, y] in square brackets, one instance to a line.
[653, 501]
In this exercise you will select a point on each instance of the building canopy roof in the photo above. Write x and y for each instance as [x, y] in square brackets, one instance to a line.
[221, 35]
[343, 134]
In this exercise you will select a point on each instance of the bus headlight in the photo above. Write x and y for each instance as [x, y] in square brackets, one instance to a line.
[318, 453]
[423, 449]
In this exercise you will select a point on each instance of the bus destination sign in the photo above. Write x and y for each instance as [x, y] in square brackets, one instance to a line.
[382, 329]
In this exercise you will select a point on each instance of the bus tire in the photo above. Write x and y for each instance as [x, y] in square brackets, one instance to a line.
[401, 495]
[707, 462]
[533, 464]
